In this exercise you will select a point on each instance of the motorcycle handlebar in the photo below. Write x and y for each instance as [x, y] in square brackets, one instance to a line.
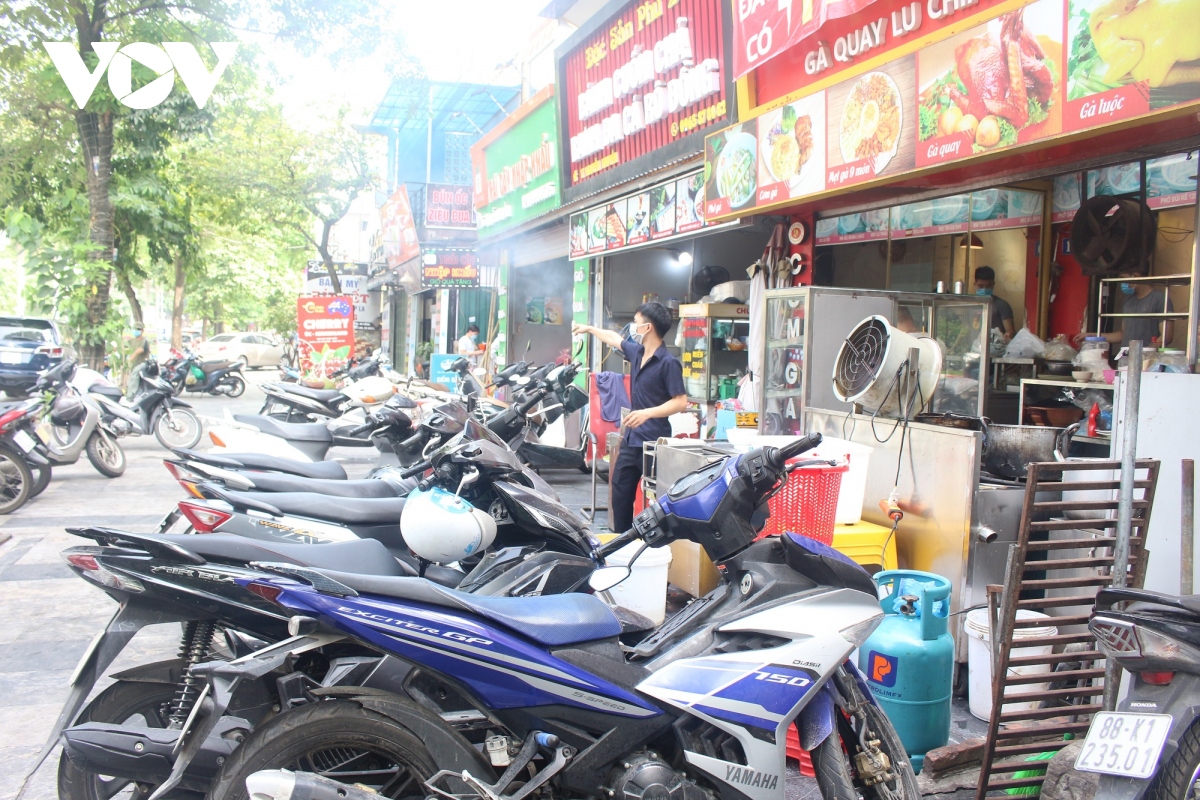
[525, 406]
[416, 469]
[780, 455]
[361, 429]
[615, 544]
[413, 441]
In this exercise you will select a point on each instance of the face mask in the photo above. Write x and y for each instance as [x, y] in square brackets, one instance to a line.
[631, 333]
[1126, 288]
[474, 337]
[984, 292]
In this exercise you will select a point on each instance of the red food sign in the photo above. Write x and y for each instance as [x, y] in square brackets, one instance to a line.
[648, 77]
[449, 206]
[325, 325]
[762, 29]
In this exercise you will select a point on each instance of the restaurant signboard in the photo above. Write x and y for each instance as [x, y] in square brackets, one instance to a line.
[515, 167]
[449, 206]
[449, 268]
[640, 86]
[1028, 76]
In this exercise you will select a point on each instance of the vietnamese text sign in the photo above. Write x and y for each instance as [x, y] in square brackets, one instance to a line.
[516, 170]
[949, 102]
[654, 73]
[449, 269]
[448, 206]
[398, 231]
[325, 326]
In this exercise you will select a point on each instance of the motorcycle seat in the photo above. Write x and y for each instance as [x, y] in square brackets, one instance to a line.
[294, 431]
[276, 482]
[107, 391]
[345, 510]
[320, 395]
[366, 556]
[213, 366]
[824, 565]
[325, 470]
[551, 620]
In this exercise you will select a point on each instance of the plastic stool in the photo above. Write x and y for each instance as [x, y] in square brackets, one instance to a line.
[863, 542]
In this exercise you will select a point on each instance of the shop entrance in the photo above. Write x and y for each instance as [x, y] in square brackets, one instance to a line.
[539, 311]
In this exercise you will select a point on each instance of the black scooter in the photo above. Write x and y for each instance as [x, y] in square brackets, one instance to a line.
[220, 378]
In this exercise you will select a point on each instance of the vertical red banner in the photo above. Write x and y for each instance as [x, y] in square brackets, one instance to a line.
[325, 325]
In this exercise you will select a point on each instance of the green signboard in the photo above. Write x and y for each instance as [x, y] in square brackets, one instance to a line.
[516, 173]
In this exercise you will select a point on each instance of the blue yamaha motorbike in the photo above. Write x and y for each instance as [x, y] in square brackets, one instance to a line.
[415, 690]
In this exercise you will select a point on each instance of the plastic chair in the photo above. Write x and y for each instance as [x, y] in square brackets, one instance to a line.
[597, 432]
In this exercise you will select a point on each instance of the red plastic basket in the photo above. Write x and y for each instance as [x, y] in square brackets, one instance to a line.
[807, 504]
[794, 750]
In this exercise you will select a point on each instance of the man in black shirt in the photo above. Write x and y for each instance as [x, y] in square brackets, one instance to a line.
[656, 389]
[1002, 313]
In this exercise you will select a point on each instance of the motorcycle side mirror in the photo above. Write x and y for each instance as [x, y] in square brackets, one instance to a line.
[606, 578]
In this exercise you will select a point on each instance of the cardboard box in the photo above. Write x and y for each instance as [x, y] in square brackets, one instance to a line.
[691, 570]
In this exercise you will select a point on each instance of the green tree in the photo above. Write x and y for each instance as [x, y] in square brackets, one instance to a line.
[45, 107]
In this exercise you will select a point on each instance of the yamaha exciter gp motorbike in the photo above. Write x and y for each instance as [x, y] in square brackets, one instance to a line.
[499, 698]
[1150, 747]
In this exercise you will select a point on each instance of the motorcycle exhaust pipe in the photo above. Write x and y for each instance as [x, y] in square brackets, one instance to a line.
[142, 754]
[282, 784]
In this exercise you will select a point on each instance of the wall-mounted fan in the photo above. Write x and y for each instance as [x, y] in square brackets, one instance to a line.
[870, 359]
[1111, 234]
[706, 278]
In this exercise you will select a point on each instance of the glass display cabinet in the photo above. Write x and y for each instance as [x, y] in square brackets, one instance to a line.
[714, 344]
[807, 325]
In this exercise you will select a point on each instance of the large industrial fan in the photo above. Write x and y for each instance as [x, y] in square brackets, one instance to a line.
[1111, 234]
[871, 369]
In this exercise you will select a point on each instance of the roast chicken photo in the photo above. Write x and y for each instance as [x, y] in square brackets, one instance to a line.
[1001, 81]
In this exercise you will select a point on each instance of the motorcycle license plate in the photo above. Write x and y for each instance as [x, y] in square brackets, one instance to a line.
[24, 441]
[1123, 744]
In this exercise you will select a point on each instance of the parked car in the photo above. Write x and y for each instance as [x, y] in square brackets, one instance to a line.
[252, 349]
[28, 345]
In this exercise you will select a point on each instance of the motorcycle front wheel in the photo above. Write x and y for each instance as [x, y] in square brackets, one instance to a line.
[337, 739]
[106, 455]
[16, 481]
[840, 772]
[178, 428]
[236, 384]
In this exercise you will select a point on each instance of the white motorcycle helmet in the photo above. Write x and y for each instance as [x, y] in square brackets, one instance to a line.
[441, 527]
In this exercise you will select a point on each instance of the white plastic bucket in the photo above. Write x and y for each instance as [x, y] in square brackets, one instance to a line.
[645, 590]
[979, 660]
[854, 482]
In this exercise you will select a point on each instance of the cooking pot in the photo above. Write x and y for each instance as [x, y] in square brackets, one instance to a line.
[1009, 449]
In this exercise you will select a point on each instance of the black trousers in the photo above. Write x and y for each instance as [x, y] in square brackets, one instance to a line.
[624, 482]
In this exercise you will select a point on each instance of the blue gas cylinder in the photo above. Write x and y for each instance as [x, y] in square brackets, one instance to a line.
[909, 659]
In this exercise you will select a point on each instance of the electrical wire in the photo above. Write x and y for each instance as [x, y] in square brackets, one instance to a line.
[1168, 232]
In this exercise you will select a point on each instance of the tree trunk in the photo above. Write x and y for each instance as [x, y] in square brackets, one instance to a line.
[96, 136]
[177, 307]
[130, 295]
[323, 248]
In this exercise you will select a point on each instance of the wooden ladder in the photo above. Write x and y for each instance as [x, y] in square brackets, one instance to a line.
[1044, 574]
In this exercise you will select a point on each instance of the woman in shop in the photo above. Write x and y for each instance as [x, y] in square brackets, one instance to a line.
[657, 392]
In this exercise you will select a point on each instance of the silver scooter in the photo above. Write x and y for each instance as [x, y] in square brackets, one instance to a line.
[73, 426]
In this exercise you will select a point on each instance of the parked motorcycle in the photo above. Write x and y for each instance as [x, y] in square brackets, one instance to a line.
[72, 425]
[700, 708]
[153, 408]
[1151, 746]
[219, 378]
[23, 473]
